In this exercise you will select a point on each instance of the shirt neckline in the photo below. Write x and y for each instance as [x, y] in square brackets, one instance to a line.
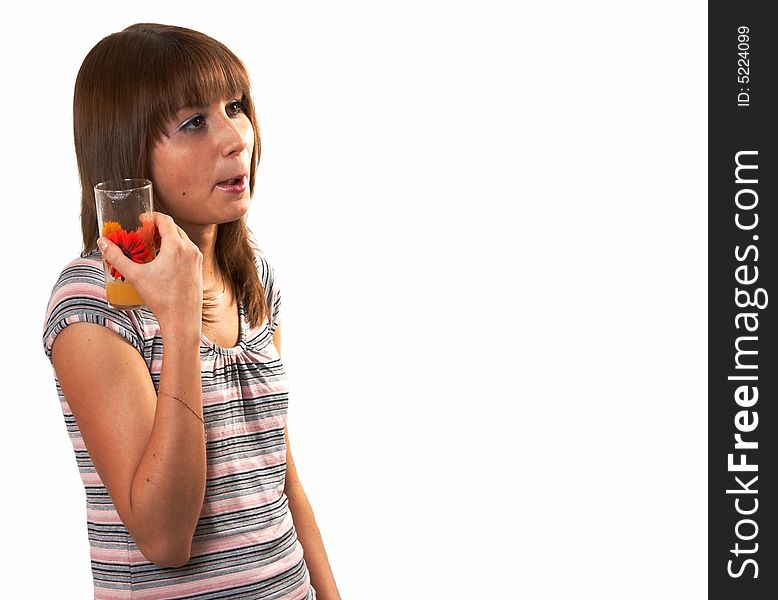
[239, 347]
[205, 343]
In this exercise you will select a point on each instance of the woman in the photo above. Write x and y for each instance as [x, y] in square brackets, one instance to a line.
[179, 421]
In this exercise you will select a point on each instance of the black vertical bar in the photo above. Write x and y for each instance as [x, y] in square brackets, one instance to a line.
[742, 221]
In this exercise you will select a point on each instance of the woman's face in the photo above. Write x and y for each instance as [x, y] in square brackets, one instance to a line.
[200, 169]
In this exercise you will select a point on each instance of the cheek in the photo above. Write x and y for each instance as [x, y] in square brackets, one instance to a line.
[248, 136]
[174, 176]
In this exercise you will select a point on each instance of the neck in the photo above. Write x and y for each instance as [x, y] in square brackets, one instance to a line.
[204, 237]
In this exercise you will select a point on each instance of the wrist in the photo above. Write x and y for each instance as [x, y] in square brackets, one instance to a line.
[182, 331]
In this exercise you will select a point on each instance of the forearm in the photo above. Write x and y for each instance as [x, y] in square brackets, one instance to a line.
[169, 484]
[309, 536]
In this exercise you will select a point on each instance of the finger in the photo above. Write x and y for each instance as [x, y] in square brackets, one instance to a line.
[153, 221]
[165, 225]
[114, 256]
[183, 234]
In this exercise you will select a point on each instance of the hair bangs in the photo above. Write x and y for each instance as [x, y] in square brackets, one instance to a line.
[196, 76]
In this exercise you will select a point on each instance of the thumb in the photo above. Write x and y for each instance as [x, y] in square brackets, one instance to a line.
[115, 258]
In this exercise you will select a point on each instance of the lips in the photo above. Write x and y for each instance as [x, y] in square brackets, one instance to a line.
[234, 185]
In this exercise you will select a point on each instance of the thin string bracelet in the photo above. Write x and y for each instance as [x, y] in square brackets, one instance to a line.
[192, 410]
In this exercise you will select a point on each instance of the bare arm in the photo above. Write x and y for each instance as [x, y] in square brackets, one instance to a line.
[308, 532]
[149, 452]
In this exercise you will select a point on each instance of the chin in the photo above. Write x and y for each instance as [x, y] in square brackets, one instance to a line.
[238, 212]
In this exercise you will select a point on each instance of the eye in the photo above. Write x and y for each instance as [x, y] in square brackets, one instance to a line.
[195, 122]
[235, 107]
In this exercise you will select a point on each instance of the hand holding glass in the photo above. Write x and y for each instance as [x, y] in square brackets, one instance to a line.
[125, 215]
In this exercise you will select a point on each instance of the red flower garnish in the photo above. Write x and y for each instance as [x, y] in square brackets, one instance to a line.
[133, 246]
[147, 231]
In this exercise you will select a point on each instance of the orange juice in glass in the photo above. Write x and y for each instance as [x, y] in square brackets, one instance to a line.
[125, 216]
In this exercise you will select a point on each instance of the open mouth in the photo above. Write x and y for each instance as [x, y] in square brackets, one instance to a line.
[236, 185]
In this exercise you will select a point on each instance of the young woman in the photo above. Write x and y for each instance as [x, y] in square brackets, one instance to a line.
[179, 421]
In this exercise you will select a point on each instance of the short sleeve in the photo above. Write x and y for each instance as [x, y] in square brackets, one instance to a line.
[267, 276]
[79, 297]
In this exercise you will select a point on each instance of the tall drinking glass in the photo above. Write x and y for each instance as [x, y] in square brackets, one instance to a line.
[125, 216]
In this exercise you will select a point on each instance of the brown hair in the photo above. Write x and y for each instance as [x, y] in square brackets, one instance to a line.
[129, 85]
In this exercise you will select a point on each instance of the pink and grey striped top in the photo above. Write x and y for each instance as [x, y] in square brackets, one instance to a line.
[245, 545]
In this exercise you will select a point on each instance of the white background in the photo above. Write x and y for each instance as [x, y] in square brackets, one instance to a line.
[489, 224]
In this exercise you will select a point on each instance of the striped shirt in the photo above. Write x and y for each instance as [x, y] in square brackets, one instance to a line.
[245, 544]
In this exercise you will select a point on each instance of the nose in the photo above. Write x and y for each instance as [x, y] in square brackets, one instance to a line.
[235, 134]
